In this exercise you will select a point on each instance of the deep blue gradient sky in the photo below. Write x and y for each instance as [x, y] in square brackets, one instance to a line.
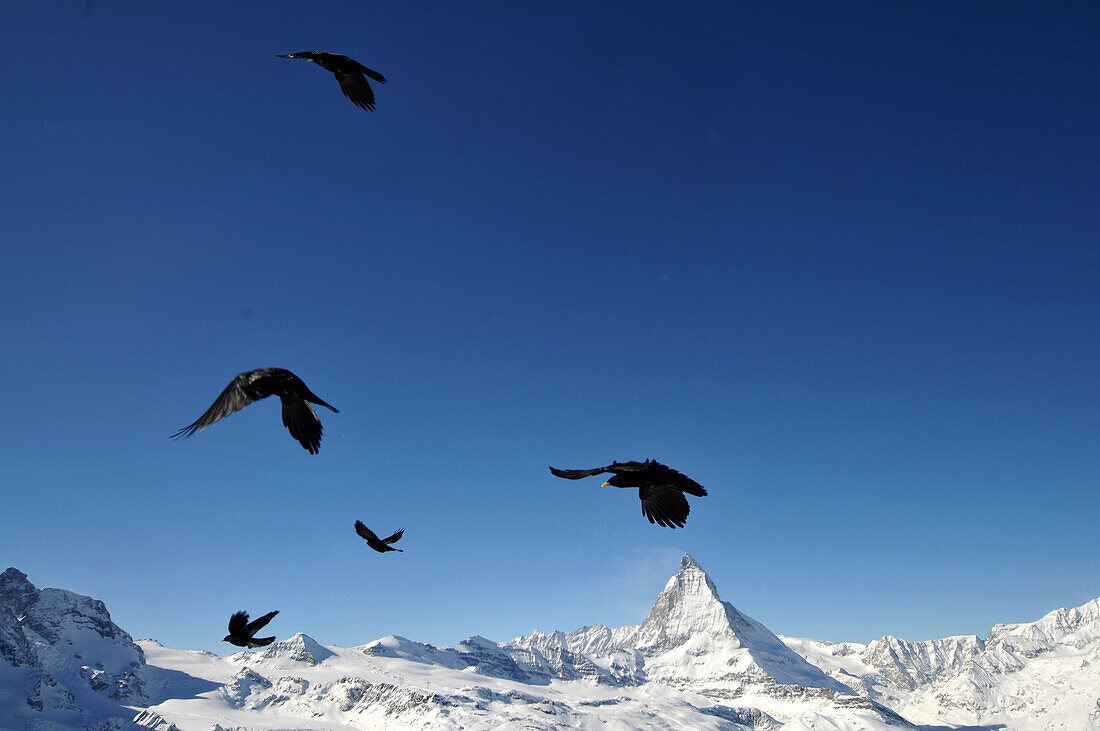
[840, 265]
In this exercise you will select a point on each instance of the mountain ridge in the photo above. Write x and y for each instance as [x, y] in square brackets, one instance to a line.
[695, 661]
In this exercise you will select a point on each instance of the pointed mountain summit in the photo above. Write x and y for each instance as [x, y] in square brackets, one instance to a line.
[691, 636]
[299, 648]
[687, 606]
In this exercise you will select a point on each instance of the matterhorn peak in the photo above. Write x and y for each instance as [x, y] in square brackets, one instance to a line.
[694, 578]
[689, 617]
[688, 606]
[687, 562]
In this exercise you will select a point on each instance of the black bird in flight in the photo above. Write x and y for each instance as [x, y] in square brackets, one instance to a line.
[241, 631]
[350, 73]
[660, 488]
[379, 544]
[298, 415]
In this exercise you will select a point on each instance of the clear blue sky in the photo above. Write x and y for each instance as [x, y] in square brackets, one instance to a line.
[838, 264]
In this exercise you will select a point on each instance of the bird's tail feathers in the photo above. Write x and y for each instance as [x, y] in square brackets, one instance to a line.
[263, 641]
[373, 74]
[321, 402]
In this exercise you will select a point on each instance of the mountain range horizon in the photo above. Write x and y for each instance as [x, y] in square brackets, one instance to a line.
[695, 661]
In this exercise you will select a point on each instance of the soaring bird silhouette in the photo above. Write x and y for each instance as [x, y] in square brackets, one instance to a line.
[350, 73]
[241, 631]
[298, 415]
[660, 488]
[379, 544]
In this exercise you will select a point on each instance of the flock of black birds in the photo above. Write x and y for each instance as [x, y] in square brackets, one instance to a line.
[660, 488]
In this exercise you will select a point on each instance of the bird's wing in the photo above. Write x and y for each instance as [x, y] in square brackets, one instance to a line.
[355, 87]
[577, 474]
[237, 623]
[623, 468]
[679, 481]
[659, 473]
[302, 54]
[395, 537]
[364, 532]
[233, 398]
[300, 418]
[664, 505]
[257, 624]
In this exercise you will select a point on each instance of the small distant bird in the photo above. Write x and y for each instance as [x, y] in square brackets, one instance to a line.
[379, 544]
[298, 416]
[350, 73]
[660, 488]
[241, 631]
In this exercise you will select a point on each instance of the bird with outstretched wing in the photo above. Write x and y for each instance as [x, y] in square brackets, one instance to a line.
[660, 488]
[242, 632]
[298, 416]
[379, 544]
[351, 74]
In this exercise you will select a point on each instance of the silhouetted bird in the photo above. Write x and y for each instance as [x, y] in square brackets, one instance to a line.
[349, 72]
[298, 416]
[379, 544]
[241, 631]
[661, 489]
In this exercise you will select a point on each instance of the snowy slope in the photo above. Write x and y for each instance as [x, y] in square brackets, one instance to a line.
[395, 683]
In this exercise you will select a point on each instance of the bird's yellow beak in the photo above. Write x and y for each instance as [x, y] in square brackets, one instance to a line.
[605, 484]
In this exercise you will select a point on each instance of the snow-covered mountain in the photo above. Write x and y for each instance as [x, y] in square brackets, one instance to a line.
[63, 661]
[695, 662]
[1041, 675]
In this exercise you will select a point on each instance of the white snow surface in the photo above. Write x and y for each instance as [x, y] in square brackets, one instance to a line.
[695, 662]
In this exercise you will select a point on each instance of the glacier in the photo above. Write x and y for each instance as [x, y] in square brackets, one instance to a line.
[696, 661]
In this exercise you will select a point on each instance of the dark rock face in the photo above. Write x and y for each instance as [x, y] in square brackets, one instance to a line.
[16, 592]
[489, 659]
[14, 647]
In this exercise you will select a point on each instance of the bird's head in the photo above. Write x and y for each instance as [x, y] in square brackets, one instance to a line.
[617, 481]
[227, 638]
